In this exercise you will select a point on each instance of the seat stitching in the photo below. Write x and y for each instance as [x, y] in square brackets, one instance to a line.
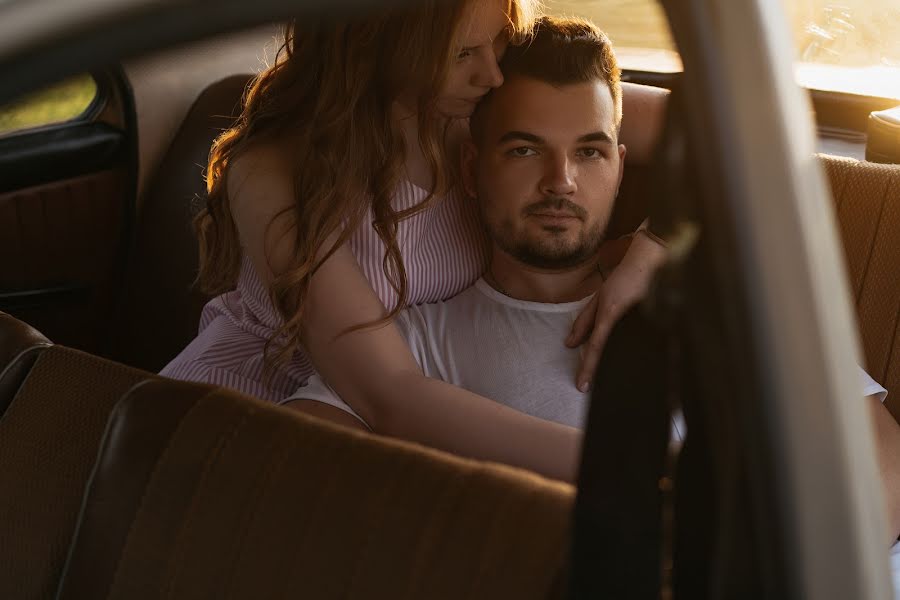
[842, 173]
[340, 454]
[387, 486]
[871, 251]
[279, 453]
[9, 367]
[175, 562]
[887, 366]
[506, 505]
[437, 523]
[142, 503]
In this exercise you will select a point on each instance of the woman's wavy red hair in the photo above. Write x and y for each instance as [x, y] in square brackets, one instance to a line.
[327, 100]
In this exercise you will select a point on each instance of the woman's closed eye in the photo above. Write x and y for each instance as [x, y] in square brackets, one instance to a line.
[465, 53]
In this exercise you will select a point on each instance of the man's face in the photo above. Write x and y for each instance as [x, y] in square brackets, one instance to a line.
[546, 170]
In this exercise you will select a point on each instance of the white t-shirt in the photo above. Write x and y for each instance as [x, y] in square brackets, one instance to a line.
[509, 350]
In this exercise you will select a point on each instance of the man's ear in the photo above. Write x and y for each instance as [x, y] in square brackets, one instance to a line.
[621, 167]
[468, 165]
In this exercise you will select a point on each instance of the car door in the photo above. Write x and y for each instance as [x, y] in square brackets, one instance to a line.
[67, 190]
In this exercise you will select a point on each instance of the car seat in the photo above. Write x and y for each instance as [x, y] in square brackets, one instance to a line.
[867, 204]
[49, 436]
[160, 307]
[201, 492]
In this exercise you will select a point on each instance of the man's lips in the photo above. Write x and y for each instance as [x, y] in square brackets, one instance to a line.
[555, 215]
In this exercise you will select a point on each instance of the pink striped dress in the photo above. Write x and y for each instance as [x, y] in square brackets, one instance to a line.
[444, 251]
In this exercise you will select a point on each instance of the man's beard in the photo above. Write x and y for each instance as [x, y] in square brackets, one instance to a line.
[549, 252]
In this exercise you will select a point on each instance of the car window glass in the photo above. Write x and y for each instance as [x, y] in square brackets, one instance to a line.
[58, 103]
[840, 45]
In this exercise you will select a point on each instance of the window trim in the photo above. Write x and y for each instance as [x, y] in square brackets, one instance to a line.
[94, 108]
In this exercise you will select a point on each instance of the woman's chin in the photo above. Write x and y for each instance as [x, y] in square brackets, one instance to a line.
[457, 108]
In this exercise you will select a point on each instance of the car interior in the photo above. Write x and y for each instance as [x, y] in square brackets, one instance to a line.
[136, 473]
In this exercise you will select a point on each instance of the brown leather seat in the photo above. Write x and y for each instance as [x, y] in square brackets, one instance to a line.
[867, 203]
[161, 307]
[20, 345]
[49, 436]
[200, 492]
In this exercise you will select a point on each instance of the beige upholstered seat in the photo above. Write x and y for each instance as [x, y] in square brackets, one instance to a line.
[867, 202]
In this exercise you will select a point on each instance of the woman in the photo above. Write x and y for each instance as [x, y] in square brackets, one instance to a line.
[332, 198]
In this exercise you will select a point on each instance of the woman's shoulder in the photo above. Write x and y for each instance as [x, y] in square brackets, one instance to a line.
[260, 188]
[260, 181]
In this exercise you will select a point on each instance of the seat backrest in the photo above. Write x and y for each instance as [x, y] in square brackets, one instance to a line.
[49, 437]
[160, 307]
[20, 345]
[867, 203]
[200, 492]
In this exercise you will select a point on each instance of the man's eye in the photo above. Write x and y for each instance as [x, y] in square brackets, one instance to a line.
[590, 153]
[522, 151]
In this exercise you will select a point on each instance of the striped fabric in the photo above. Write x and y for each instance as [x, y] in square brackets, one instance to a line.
[444, 251]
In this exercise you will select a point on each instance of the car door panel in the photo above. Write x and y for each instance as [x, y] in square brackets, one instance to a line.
[66, 205]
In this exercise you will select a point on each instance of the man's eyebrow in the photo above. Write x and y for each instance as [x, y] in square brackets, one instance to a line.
[523, 136]
[597, 136]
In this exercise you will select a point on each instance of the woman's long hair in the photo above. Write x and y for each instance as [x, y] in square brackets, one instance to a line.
[327, 100]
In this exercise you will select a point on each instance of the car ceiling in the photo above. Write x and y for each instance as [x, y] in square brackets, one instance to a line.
[45, 40]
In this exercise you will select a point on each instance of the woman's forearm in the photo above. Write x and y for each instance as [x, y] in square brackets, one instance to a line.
[373, 370]
[444, 416]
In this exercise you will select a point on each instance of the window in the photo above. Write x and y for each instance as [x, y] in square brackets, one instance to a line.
[638, 29]
[58, 103]
[848, 45]
[841, 45]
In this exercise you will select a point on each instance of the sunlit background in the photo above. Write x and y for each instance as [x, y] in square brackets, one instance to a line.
[840, 45]
[844, 45]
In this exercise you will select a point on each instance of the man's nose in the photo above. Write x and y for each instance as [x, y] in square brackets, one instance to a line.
[559, 176]
[488, 74]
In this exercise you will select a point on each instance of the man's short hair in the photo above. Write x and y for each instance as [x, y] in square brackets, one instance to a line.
[561, 51]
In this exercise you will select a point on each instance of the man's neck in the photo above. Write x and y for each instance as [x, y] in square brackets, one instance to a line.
[524, 282]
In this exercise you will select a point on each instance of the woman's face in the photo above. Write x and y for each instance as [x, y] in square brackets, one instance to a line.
[481, 41]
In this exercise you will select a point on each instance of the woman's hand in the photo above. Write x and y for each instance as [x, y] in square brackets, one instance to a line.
[625, 286]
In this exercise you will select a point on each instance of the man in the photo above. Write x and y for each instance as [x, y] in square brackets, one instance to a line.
[545, 166]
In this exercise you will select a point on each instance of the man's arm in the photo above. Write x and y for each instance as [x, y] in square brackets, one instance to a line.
[887, 447]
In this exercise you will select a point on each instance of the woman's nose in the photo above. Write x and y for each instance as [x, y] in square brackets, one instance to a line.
[488, 74]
